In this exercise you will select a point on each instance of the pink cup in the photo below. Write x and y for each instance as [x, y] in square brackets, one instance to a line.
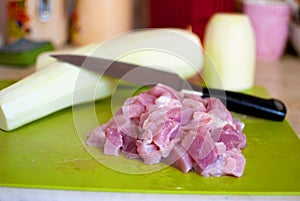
[270, 21]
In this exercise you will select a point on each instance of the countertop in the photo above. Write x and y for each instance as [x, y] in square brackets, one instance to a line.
[282, 81]
[280, 78]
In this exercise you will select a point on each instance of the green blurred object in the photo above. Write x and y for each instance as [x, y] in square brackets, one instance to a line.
[23, 52]
[50, 153]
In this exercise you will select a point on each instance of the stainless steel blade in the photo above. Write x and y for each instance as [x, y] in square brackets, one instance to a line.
[129, 72]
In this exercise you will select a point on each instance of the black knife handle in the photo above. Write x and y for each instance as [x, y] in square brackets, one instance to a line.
[271, 109]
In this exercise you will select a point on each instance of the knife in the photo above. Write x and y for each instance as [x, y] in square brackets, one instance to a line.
[271, 109]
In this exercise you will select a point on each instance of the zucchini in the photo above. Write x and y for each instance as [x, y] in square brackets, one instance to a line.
[52, 86]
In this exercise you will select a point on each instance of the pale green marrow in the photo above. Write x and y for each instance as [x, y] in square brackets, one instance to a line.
[53, 85]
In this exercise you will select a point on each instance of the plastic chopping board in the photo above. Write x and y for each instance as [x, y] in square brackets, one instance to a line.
[49, 153]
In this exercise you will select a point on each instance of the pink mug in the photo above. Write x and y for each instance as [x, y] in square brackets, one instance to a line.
[270, 21]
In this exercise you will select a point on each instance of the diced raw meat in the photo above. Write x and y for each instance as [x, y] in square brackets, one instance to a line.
[149, 153]
[234, 163]
[113, 142]
[203, 150]
[97, 137]
[180, 159]
[129, 147]
[183, 130]
[231, 162]
[232, 138]
[217, 109]
[134, 110]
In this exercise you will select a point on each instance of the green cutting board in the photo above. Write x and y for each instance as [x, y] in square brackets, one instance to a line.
[50, 153]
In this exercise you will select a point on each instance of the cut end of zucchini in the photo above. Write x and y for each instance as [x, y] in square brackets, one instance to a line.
[3, 122]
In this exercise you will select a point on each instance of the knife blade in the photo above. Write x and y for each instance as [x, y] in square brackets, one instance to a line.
[272, 109]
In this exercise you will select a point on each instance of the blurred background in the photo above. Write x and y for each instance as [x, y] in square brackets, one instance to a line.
[83, 21]
[79, 22]
[30, 27]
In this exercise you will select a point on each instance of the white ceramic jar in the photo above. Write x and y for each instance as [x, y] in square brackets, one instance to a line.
[229, 61]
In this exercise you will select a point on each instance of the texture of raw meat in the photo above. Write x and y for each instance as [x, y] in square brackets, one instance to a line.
[186, 131]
